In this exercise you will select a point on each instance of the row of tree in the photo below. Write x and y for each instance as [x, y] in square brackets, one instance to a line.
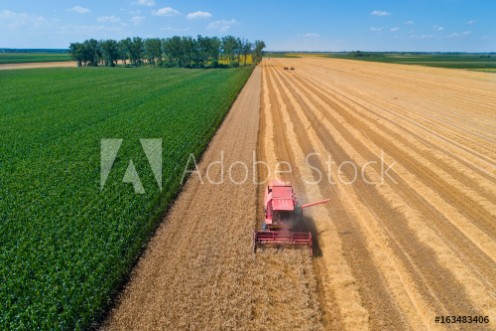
[187, 52]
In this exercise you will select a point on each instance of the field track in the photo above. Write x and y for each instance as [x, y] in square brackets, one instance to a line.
[391, 254]
[62, 64]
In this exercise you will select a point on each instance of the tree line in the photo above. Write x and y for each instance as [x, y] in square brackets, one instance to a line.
[185, 52]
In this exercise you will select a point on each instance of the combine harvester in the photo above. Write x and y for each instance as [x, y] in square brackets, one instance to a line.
[283, 215]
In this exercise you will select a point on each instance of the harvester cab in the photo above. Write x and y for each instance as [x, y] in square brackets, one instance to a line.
[283, 215]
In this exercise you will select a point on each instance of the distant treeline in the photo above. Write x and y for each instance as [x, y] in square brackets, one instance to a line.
[185, 52]
[365, 54]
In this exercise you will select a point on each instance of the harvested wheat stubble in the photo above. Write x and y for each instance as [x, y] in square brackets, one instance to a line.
[419, 244]
[199, 273]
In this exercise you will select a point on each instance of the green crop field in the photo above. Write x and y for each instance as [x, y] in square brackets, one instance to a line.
[67, 245]
[455, 61]
[7, 58]
[280, 55]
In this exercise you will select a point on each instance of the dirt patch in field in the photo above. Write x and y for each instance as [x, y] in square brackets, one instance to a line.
[64, 64]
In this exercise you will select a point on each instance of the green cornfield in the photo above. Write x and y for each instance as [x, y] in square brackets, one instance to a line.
[66, 245]
[7, 58]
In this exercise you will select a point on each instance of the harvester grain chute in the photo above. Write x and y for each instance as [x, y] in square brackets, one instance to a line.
[283, 215]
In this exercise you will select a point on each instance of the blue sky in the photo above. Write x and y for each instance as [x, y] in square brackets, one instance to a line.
[375, 25]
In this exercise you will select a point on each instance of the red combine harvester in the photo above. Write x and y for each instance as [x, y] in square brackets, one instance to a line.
[283, 214]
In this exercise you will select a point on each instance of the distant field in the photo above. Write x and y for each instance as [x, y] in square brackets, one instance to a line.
[492, 70]
[66, 245]
[7, 58]
[281, 55]
[458, 61]
[479, 62]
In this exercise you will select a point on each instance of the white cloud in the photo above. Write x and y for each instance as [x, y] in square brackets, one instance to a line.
[222, 25]
[166, 11]
[374, 29]
[79, 10]
[12, 20]
[459, 34]
[394, 29]
[108, 19]
[409, 22]
[438, 28]
[147, 3]
[198, 14]
[470, 22]
[309, 35]
[421, 36]
[380, 13]
[137, 20]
